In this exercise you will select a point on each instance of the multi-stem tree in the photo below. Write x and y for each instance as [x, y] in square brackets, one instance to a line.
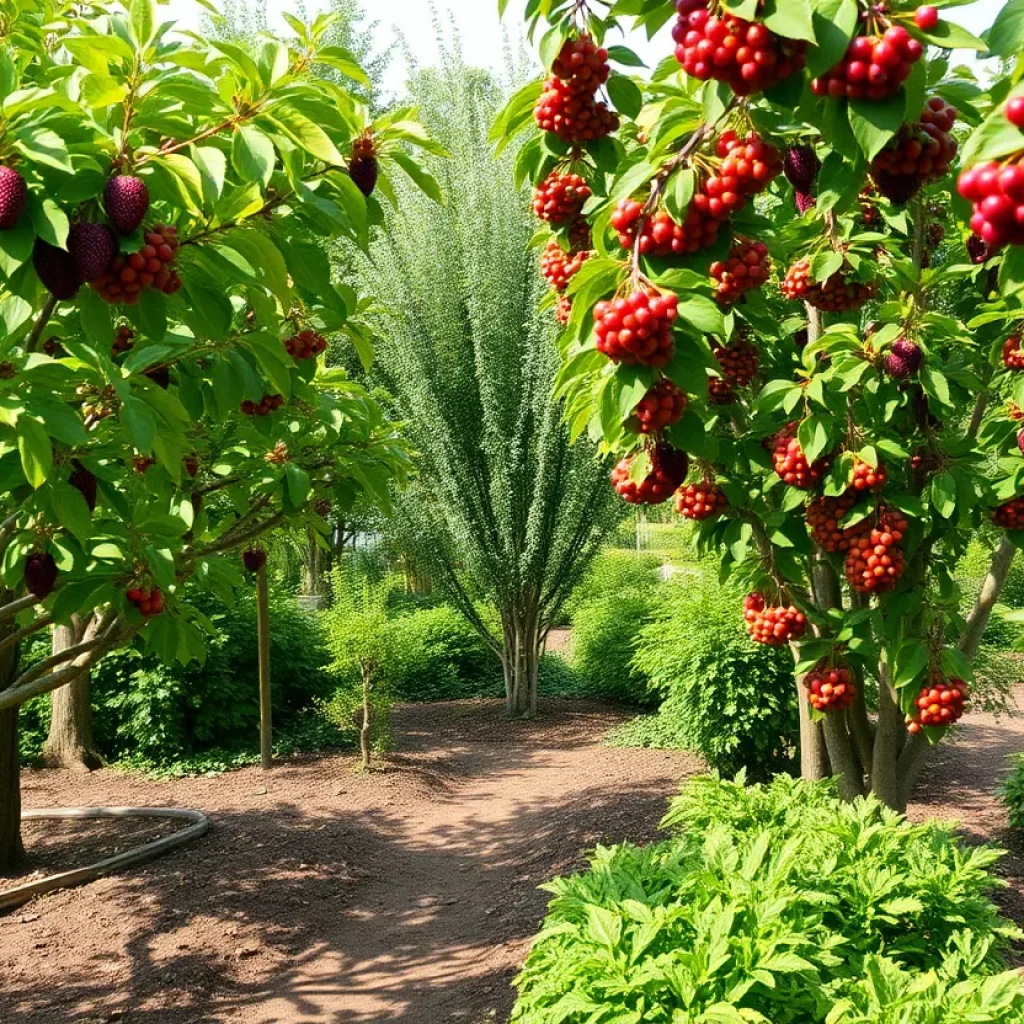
[506, 512]
[165, 298]
[841, 455]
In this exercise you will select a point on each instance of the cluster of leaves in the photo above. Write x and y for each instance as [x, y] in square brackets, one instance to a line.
[245, 151]
[779, 904]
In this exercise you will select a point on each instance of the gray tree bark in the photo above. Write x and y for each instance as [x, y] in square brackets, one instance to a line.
[70, 741]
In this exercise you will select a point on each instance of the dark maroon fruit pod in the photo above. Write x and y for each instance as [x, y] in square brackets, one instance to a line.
[85, 483]
[364, 170]
[92, 246]
[254, 559]
[13, 196]
[40, 574]
[801, 166]
[126, 200]
[56, 269]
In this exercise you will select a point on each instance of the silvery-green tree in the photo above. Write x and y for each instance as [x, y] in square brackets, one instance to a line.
[506, 513]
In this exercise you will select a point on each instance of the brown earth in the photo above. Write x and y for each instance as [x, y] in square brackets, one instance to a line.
[405, 896]
[325, 895]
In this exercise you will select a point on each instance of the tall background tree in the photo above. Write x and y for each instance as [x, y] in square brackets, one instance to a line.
[506, 512]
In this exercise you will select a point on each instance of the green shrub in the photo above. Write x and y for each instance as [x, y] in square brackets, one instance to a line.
[613, 571]
[604, 636]
[777, 904]
[1011, 793]
[724, 697]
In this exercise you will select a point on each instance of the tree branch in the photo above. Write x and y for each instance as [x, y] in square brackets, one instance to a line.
[99, 638]
[991, 588]
[40, 325]
[18, 635]
[8, 611]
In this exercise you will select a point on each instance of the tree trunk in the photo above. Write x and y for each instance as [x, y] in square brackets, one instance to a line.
[316, 563]
[263, 646]
[364, 732]
[70, 742]
[522, 662]
[11, 850]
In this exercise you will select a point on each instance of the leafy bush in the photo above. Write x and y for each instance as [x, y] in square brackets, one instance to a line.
[613, 571]
[604, 636]
[1011, 793]
[778, 904]
[725, 698]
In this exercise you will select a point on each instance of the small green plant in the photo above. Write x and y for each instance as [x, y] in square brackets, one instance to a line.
[724, 698]
[777, 904]
[1011, 793]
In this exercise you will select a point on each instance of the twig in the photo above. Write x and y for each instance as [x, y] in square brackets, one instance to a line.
[40, 325]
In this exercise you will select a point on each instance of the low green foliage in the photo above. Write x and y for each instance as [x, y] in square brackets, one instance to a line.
[725, 698]
[612, 571]
[776, 904]
[604, 636]
[1011, 793]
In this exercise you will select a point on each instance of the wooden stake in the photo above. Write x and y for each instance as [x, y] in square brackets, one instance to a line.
[263, 632]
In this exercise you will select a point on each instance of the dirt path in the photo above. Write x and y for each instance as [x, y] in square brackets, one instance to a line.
[405, 897]
[322, 895]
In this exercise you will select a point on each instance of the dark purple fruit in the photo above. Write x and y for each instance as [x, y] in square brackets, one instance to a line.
[93, 246]
[126, 200]
[904, 358]
[254, 559]
[977, 249]
[40, 574]
[801, 165]
[160, 376]
[56, 269]
[85, 482]
[669, 461]
[363, 170]
[1020, 441]
[897, 188]
[13, 195]
[800, 339]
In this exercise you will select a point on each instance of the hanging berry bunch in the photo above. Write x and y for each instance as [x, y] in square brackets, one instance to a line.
[940, 703]
[920, 153]
[637, 328]
[662, 406]
[746, 55]
[875, 65]
[701, 500]
[838, 293]
[559, 198]
[774, 625]
[264, 407]
[824, 518]
[1010, 515]
[830, 687]
[739, 361]
[1012, 353]
[305, 344]
[791, 463]
[667, 470]
[568, 106]
[746, 267]
[875, 562]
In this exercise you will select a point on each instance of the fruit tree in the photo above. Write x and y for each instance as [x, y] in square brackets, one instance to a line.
[789, 264]
[166, 206]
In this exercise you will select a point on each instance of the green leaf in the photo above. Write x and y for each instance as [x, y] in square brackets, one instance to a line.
[102, 91]
[44, 147]
[306, 134]
[421, 177]
[875, 122]
[950, 36]
[944, 494]
[789, 18]
[94, 315]
[679, 193]
[252, 155]
[49, 220]
[297, 485]
[993, 139]
[341, 60]
[835, 22]
[703, 313]
[1006, 36]
[35, 450]
[910, 661]
[603, 926]
[625, 95]
[143, 22]
[71, 510]
[625, 56]
[552, 42]
[140, 423]
[825, 264]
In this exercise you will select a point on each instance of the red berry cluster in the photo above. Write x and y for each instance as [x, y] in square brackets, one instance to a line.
[126, 276]
[746, 55]
[824, 515]
[668, 470]
[746, 267]
[559, 198]
[149, 601]
[739, 362]
[662, 406]
[563, 309]
[264, 407]
[559, 266]
[1013, 355]
[873, 67]
[123, 341]
[659, 234]
[919, 153]
[774, 625]
[875, 562]
[701, 500]
[142, 463]
[567, 106]
[1010, 515]
[941, 702]
[637, 329]
[830, 688]
[306, 344]
[790, 462]
[749, 165]
[836, 294]
[997, 193]
[867, 477]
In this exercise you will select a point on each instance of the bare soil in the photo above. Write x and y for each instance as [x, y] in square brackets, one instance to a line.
[406, 896]
[322, 894]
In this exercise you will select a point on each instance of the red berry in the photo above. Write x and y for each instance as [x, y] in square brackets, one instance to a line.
[662, 406]
[874, 561]
[747, 267]
[559, 266]
[1015, 111]
[1013, 355]
[1010, 515]
[926, 18]
[940, 702]
[824, 516]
